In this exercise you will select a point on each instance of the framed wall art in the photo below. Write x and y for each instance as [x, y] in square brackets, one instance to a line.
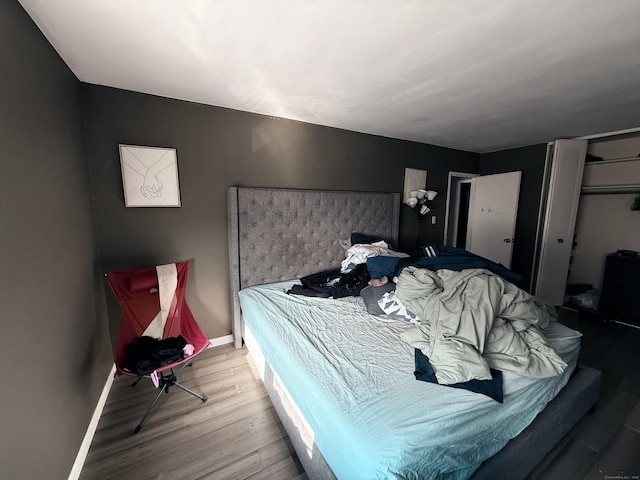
[149, 176]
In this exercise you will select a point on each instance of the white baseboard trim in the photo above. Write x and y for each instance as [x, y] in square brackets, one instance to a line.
[216, 342]
[91, 429]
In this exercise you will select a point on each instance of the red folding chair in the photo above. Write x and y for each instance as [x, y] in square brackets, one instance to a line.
[154, 310]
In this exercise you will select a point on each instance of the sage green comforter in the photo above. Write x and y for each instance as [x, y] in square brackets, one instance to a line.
[474, 320]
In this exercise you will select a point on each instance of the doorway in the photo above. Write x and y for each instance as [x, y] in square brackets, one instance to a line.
[457, 216]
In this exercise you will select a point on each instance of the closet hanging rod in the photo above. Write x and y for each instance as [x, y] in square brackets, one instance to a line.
[605, 161]
[602, 189]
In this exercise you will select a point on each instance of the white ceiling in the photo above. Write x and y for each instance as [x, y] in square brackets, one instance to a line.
[468, 74]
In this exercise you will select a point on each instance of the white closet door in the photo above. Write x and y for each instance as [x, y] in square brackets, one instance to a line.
[560, 219]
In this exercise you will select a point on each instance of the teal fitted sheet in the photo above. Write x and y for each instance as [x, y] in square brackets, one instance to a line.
[352, 379]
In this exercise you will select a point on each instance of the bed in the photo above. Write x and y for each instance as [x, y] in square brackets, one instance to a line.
[352, 414]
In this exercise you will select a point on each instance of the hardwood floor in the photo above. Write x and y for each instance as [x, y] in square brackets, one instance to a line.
[606, 442]
[236, 434]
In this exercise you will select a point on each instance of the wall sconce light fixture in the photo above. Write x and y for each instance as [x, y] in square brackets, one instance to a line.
[420, 200]
[415, 193]
[416, 196]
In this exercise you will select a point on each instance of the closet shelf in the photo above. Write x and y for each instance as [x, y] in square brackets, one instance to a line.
[620, 175]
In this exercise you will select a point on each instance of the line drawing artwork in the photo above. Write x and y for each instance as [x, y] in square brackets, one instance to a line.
[149, 176]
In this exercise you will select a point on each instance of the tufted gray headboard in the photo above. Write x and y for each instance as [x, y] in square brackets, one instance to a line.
[282, 234]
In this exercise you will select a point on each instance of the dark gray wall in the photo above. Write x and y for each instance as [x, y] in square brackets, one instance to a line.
[56, 354]
[218, 148]
[530, 160]
[58, 314]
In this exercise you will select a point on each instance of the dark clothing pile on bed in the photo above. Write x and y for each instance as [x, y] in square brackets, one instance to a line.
[332, 283]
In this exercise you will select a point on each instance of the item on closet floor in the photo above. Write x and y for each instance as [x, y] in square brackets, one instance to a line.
[621, 287]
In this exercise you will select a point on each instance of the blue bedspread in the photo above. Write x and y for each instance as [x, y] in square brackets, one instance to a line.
[352, 378]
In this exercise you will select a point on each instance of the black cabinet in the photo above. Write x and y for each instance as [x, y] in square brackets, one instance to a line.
[620, 297]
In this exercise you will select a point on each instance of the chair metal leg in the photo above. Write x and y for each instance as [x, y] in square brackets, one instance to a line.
[137, 429]
[137, 380]
[201, 397]
[166, 381]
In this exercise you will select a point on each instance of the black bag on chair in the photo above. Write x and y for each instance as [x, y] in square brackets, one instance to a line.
[147, 354]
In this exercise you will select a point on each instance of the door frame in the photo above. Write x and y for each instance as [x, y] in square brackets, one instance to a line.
[542, 207]
[453, 204]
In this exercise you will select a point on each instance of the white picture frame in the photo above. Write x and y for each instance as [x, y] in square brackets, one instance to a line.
[149, 176]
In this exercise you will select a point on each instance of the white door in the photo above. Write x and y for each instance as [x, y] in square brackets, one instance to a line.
[560, 219]
[492, 216]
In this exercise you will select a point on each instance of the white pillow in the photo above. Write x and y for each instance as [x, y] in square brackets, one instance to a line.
[359, 253]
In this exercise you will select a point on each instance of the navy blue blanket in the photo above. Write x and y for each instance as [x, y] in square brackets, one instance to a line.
[436, 257]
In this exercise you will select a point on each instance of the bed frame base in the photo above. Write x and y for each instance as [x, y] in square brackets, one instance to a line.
[522, 454]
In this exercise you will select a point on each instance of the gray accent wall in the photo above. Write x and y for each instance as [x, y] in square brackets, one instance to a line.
[218, 148]
[56, 354]
[531, 161]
